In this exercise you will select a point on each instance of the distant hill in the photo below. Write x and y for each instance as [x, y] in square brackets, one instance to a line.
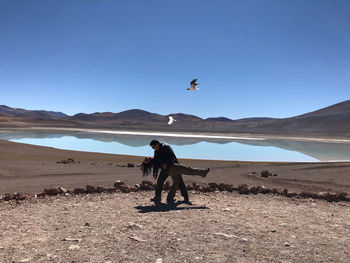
[330, 121]
[16, 112]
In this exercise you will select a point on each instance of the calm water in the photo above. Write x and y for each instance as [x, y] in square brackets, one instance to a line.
[198, 148]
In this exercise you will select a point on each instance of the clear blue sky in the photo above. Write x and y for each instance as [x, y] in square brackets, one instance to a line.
[252, 58]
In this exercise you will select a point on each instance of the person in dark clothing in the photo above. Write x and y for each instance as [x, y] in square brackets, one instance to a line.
[165, 159]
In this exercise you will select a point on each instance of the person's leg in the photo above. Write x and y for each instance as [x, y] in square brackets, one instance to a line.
[182, 169]
[173, 188]
[160, 182]
[183, 189]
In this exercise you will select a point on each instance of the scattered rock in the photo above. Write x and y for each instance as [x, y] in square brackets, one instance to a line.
[214, 185]
[90, 189]
[74, 247]
[137, 239]
[52, 191]
[24, 260]
[243, 189]
[100, 189]
[118, 183]
[111, 189]
[130, 165]
[134, 225]
[265, 174]
[221, 187]
[79, 191]
[195, 186]
[22, 196]
[69, 160]
[9, 196]
[125, 188]
[71, 239]
[41, 195]
[225, 235]
[229, 187]
[62, 190]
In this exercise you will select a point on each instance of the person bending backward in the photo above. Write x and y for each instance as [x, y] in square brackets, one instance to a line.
[165, 159]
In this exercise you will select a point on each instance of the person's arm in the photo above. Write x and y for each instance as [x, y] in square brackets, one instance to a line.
[155, 161]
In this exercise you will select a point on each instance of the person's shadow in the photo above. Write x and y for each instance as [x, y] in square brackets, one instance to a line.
[161, 207]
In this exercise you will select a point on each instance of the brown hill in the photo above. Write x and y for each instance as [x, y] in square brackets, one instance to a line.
[330, 121]
[17, 112]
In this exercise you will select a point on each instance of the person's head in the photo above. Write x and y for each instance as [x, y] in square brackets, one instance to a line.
[155, 144]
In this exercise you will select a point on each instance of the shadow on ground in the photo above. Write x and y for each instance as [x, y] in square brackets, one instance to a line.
[167, 207]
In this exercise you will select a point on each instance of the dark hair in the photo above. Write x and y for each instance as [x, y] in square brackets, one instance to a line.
[146, 166]
[154, 143]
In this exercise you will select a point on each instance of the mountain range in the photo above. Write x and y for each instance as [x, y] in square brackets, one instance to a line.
[330, 121]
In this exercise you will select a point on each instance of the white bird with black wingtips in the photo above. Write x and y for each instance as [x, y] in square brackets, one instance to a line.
[193, 85]
[171, 120]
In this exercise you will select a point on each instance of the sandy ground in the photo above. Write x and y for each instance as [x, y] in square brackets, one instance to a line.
[218, 227]
[27, 168]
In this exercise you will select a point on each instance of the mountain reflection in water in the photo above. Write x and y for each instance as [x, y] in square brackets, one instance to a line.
[312, 151]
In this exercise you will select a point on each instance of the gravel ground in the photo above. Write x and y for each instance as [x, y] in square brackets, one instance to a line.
[217, 227]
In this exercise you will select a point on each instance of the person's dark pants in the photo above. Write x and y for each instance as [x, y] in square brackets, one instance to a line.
[160, 182]
[183, 189]
[163, 175]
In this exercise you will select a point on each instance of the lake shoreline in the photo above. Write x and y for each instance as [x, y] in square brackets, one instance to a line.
[29, 168]
[208, 135]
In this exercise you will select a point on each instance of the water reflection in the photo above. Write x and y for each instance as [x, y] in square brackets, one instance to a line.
[209, 148]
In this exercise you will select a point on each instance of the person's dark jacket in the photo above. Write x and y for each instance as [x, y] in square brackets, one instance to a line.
[165, 155]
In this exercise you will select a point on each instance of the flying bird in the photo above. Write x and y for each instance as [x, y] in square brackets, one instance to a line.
[193, 85]
[171, 120]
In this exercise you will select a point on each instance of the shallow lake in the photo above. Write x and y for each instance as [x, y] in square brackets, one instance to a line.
[242, 149]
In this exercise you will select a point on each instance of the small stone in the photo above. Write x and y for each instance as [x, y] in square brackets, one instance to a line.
[72, 239]
[74, 247]
[137, 239]
[286, 244]
[52, 191]
[134, 225]
[118, 183]
[225, 235]
[244, 239]
[273, 230]
[22, 196]
[79, 191]
[159, 260]
[62, 190]
[90, 189]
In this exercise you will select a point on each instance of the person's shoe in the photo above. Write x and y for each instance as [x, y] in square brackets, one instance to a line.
[187, 202]
[155, 200]
[170, 201]
[206, 172]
